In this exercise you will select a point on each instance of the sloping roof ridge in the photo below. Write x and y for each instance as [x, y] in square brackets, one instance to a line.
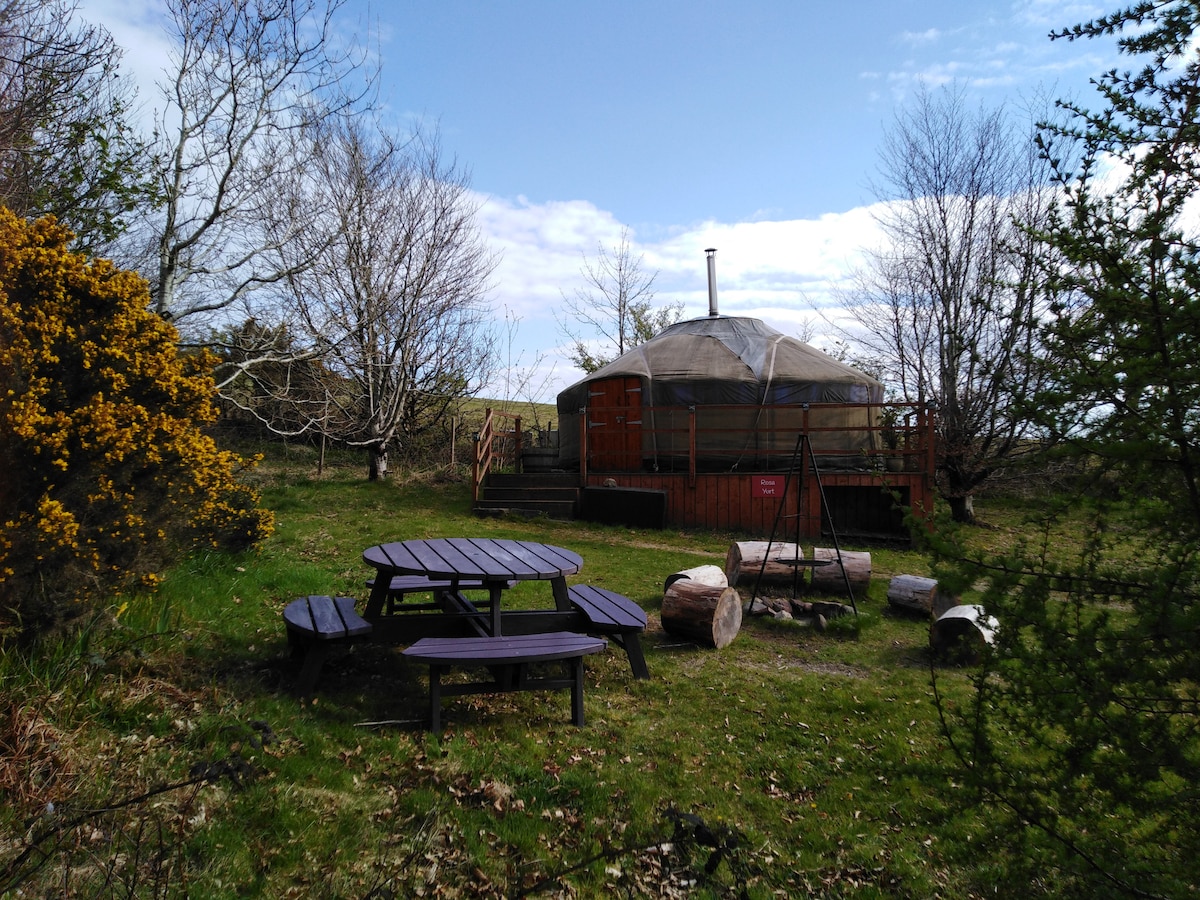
[768, 373]
[700, 321]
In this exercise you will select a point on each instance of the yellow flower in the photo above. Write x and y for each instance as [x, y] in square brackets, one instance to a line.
[101, 423]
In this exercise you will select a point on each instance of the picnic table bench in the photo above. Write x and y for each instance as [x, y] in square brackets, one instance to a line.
[593, 610]
[508, 657]
[615, 616]
[317, 624]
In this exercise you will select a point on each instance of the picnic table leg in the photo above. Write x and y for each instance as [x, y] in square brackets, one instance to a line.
[495, 589]
[310, 671]
[379, 594]
[576, 668]
[435, 699]
[562, 601]
[632, 645]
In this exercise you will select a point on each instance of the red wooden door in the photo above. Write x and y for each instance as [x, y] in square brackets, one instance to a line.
[614, 417]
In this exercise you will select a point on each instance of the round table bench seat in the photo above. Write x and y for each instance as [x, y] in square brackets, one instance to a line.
[519, 648]
[506, 656]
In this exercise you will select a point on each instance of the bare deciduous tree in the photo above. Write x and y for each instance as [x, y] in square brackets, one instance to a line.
[522, 384]
[388, 289]
[248, 81]
[615, 307]
[951, 301]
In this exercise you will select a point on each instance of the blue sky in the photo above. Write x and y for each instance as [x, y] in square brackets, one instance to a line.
[752, 126]
[668, 113]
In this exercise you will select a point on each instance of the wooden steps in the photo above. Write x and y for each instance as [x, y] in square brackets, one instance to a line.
[552, 494]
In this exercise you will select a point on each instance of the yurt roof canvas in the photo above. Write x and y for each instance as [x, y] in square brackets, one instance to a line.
[730, 360]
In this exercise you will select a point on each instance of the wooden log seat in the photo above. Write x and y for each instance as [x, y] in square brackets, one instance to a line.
[709, 614]
[315, 625]
[832, 580]
[756, 563]
[614, 616]
[917, 593]
[709, 574]
[508, 659]
[961, 632]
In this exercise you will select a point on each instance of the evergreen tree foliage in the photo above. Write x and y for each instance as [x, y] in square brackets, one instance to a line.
[108, 474]
[1082, 729]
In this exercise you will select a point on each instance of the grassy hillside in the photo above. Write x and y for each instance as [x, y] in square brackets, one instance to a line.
[166, 757]
[533, 415]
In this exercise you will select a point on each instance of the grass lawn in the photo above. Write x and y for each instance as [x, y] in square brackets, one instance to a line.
[793, 762]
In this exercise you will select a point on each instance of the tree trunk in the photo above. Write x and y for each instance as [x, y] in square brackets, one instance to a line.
[377, 462]
[830, 580]
[962, 509]
[745, 560]
[705, 613]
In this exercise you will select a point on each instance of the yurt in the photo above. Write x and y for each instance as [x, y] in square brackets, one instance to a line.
[719, 393]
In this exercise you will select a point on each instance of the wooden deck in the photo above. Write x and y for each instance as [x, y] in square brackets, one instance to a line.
[859, 503]
[863, 489]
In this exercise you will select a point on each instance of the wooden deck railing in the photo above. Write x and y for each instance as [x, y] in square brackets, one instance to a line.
[494, 448]
[680, 440]
[900, 438]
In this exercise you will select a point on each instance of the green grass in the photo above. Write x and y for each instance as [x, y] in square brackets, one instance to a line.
[795, 761]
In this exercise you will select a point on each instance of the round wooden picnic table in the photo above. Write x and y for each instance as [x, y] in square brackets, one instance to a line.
[496, 562]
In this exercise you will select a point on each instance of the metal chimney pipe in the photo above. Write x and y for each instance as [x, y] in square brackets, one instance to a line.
[712, 281]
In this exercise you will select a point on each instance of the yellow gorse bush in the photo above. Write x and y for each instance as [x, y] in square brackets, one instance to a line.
[107, 472]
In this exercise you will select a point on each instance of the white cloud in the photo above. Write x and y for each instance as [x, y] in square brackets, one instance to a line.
[928, 36]
[136, 26]
[784, 272]
[542, 247]
[998, 53]
[1057, 14]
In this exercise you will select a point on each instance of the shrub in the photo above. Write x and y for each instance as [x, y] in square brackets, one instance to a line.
[107, 469]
